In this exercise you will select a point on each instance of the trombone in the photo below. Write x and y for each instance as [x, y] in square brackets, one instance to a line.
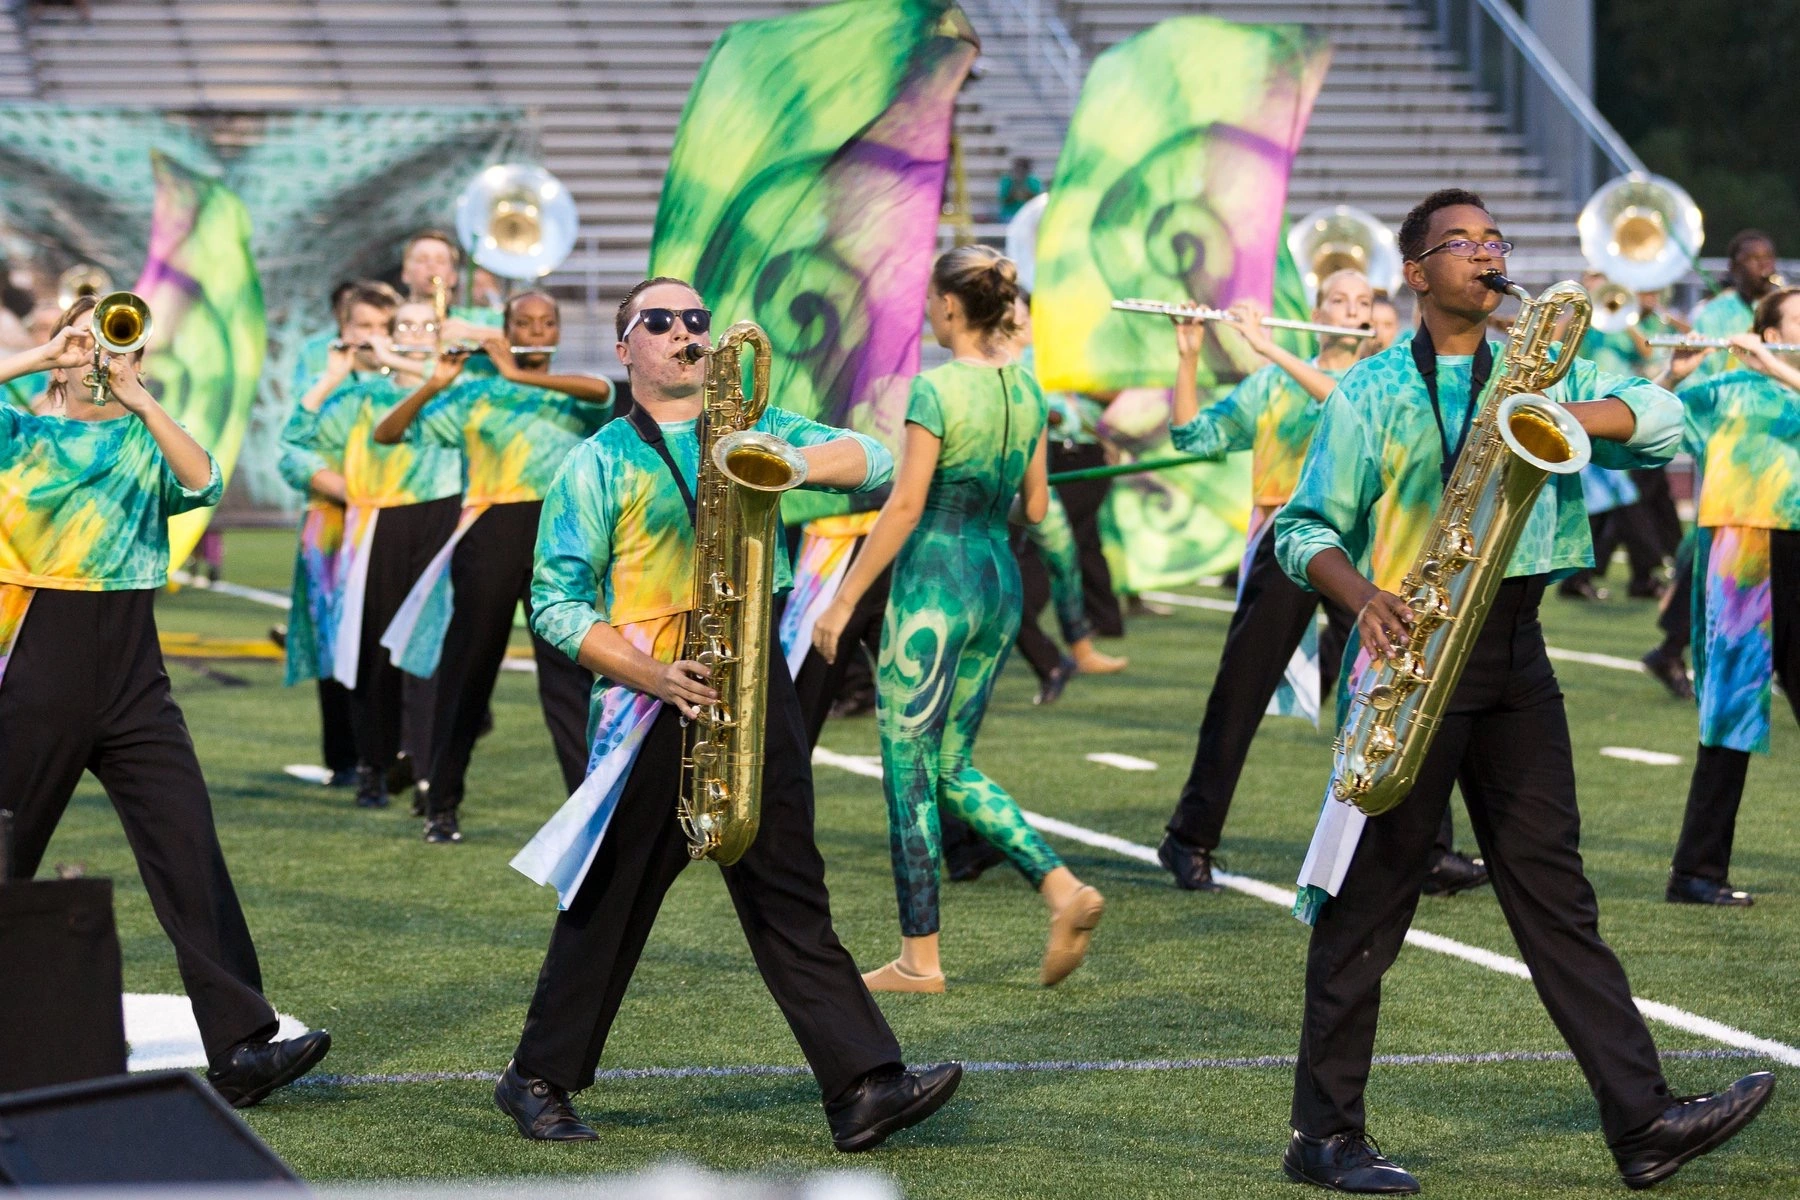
[121, 325]
[1197, 312]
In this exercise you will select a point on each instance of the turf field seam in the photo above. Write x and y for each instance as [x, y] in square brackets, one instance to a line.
[1665, 1014]
[1252, 1062]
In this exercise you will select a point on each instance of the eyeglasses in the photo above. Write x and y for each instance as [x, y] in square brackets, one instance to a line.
[1466, 248]
[659, 321]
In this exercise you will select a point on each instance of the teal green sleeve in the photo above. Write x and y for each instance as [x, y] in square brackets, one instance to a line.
[443, 418]
[924, 407]
[299, 461]
[797, 430]
[9, 432]
[574, 552]
[331, 432]
[1334, 502]
[178, 498]
[1699, 403]
[1228, 425]
[1657, 434]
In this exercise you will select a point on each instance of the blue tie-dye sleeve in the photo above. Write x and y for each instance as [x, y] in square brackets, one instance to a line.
[574, 552]
[797, 430]
[1230, 423]
[1657, 434]
[179, 498]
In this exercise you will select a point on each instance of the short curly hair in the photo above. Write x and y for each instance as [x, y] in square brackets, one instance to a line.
[1413, 230]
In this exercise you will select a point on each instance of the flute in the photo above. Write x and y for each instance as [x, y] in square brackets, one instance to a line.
[1669, 341]
[1196, 312]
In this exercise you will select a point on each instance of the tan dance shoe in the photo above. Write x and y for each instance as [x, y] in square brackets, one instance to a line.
[1091, 660]
[1071, 927]
[896, 978]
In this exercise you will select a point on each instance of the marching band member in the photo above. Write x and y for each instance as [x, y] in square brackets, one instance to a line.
[1272, 412]
[403, 504]
[86, 493]
[613, 588]
[514, 430]
[1743, 429]
[1370, 488]
[364, 311]
[974, 442]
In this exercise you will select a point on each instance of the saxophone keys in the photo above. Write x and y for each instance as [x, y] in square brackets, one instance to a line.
[1382, 698]
[1381, 744]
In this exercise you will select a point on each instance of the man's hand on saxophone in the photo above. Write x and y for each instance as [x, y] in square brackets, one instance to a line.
[1383, 619]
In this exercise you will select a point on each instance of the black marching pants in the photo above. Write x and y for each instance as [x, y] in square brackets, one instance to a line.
[406, 538]
[490, 571]
[85, 690]
[337, 733]
[1710, 823]
[1082, 501]
[819, 683]
[1676, 620]
[778, 888]
[1658, 504]
[1505, 740]
[1272, 615]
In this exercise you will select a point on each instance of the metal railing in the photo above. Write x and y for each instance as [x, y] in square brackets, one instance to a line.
[1575, 144]
[1049, 46]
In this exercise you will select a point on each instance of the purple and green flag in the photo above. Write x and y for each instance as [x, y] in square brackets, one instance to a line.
[804, 193]
[1171, 186]
[208, 331]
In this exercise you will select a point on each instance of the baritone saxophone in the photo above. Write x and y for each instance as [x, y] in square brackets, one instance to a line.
[1516, 442]
[737, 497]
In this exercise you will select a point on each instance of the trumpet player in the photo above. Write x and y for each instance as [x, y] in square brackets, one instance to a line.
[86, 494]
[430, 263]
[1368, 492]
[613, 588]
[1743, 428]
[514, 430]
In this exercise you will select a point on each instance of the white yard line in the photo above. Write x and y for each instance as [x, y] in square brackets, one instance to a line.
[1654, 758]
[226, 588]
[1665, 1014]
[1125, 762]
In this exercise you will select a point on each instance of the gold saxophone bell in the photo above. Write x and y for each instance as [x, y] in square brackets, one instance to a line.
[121, 325]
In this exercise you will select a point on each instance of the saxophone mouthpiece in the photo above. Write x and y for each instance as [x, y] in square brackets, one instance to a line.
[692, 352]
[1497, 281]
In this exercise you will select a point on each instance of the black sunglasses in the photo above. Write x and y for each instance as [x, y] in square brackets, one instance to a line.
[659, 321]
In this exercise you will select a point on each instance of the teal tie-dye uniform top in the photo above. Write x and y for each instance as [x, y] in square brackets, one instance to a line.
[1723, 315]
[989, 421]
[22, 391]
[1743, 430]
[85, 505]
[1371, 481]
[1268, 413]
[376, 476]
[615, 543]
[513, 437]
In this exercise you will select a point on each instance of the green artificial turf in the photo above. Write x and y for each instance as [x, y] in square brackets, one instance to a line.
[422, 958]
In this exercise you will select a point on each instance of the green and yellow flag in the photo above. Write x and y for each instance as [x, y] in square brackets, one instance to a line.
[804, 192]
[208, 332]
[1171, 186]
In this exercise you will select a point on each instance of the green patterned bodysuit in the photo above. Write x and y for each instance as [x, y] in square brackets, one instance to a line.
[951, 620]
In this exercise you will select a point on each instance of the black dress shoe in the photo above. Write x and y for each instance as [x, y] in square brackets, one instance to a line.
[370, 791]
[251, 1070]
[1691, 889]
[540, 1109]
[1345, 1162]
[1455, 872]
[1576, 588]
[1191, 865]
[966, 866]
[886, 1102]
[1666, 668]
[441, 829]
[1692, 1126]
[1053, 684]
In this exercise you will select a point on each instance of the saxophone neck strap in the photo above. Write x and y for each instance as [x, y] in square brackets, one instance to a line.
[651, 434]
[1424, 355]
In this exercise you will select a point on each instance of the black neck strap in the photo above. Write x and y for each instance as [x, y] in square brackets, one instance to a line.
[651, 434]
[1424, 355]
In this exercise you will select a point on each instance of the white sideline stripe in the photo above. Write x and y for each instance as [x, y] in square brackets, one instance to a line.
[1654, 758]
[272, 599]
[1612, 661]
[1665, 1014]
[1248, 1062]
[1125, 762]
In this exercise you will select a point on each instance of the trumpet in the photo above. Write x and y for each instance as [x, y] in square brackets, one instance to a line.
[121, 325]
[1691, 341]
[1196, 312]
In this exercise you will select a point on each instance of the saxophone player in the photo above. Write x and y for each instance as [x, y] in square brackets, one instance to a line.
[613, 588]
[1368, 493]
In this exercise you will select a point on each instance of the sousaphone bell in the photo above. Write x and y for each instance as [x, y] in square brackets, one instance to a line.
[1339, 237]
[516, 220]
